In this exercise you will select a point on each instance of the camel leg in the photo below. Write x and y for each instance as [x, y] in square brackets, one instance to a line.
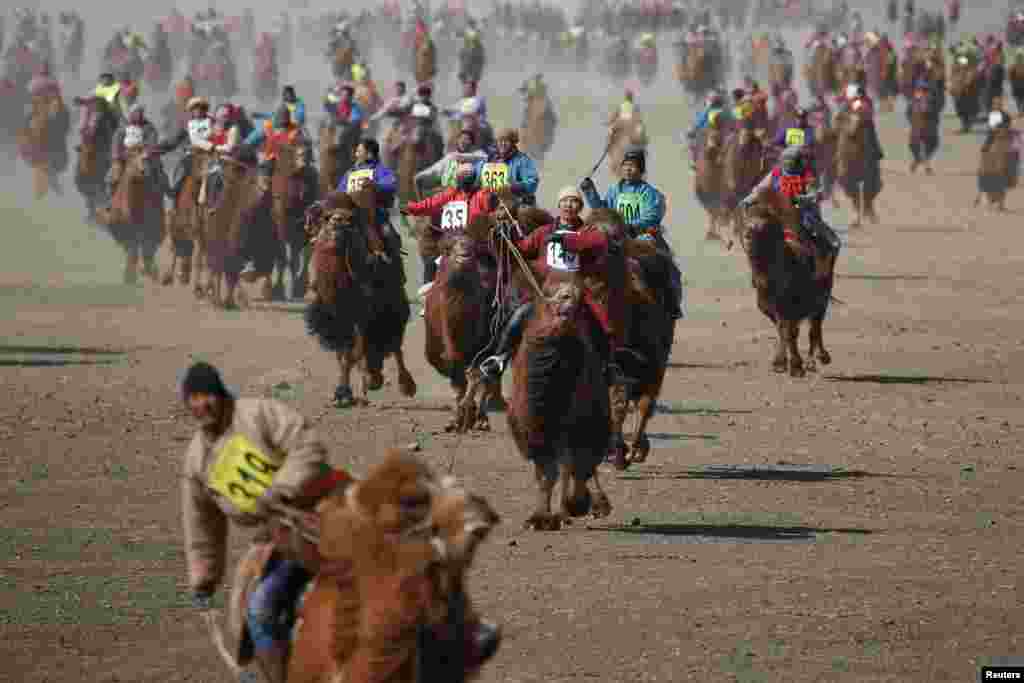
[463, 403]
[576, 498]
[780, 362]
[131, 263]
[618, 395]
[492, 390]
[640, 446]
[796, 363]
[712, 233]
[545, 476]
[817, 343]
[343, 396]
[406, 384]
[602, 505]
[198, 265]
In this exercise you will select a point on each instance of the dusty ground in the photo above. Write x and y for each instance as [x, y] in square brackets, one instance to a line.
[880, 545]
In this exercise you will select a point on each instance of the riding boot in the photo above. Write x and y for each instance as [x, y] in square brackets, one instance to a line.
[494, 366]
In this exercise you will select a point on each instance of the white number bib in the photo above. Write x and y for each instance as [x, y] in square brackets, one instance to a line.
[995, 118]
[562, 259]
[133, 136]
[356, 179]
[420, 111]
[454, 216]
[199, 130]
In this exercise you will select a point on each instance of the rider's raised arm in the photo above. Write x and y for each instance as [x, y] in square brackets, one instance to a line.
[431, 206]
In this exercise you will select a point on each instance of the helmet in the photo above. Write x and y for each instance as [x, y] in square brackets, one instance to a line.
[636, 154]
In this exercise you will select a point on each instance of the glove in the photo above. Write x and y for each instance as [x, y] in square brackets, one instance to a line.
[202, 600]
[587, 185]
[403, 210]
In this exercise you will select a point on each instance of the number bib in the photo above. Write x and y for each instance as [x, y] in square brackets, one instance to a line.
[791, 185]
[494, 176]
[199, 130]
[242, 473]
[562, 259]
[629, 205]
[133, 136]
[357, 178]
[454, 216]
[795, 136]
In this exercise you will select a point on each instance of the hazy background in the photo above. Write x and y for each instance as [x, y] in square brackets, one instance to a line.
[51, 244]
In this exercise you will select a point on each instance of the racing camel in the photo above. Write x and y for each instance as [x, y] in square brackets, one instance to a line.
[360, 309]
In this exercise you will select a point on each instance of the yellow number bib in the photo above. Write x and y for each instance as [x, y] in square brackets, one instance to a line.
[494, 176]
[357, 178]
[795, 136]
[242, 472]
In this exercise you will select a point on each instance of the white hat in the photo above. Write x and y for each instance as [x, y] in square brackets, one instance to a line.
[569, 191]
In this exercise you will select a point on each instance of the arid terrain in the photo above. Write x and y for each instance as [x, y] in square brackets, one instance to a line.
[861, 524]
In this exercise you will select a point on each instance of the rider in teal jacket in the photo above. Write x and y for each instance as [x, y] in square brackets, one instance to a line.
[642, 207]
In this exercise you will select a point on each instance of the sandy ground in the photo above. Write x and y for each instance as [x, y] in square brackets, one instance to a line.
[860, 524]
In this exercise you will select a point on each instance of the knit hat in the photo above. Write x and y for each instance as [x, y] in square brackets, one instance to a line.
[569, 191]
[203, 378]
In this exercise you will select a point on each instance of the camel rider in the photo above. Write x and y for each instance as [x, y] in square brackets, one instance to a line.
[714, 111]
[859, 102]
[446, 169]
[341, 107]
[469, 104]
[569, 245]
[799, 134]
[136, 133]
[642, 208]
[510, 168]
[998, 119]
[424, 96]
[399, 105]
[197, 134]
[625, 111]
[483, 134]
[296, 107]
[107, 89]
[278, 132]
[248, 457]
[794, 179]
[368, 169]
[452, 210]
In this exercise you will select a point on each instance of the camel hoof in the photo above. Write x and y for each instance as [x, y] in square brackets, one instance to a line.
[797, 370]
[198, 292]
[406, 385]
[374, 380]
[543, 522]
[617, 456]
[483, 424]
[779, 365]
[824, 358]
[640, 450]
[167, 280]
[602, 507]
[343, 397]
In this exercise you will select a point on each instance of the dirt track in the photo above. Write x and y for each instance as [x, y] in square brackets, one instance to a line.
[883, 547]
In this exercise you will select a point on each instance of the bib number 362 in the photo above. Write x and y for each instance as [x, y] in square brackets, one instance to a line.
[242, 473]
[494, 176]
[454, 216]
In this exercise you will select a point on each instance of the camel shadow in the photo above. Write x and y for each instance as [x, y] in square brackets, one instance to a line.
[794, 473]
[739, 532]
[77, 350]
[883, 278]
[904, 379]
[43, 363]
